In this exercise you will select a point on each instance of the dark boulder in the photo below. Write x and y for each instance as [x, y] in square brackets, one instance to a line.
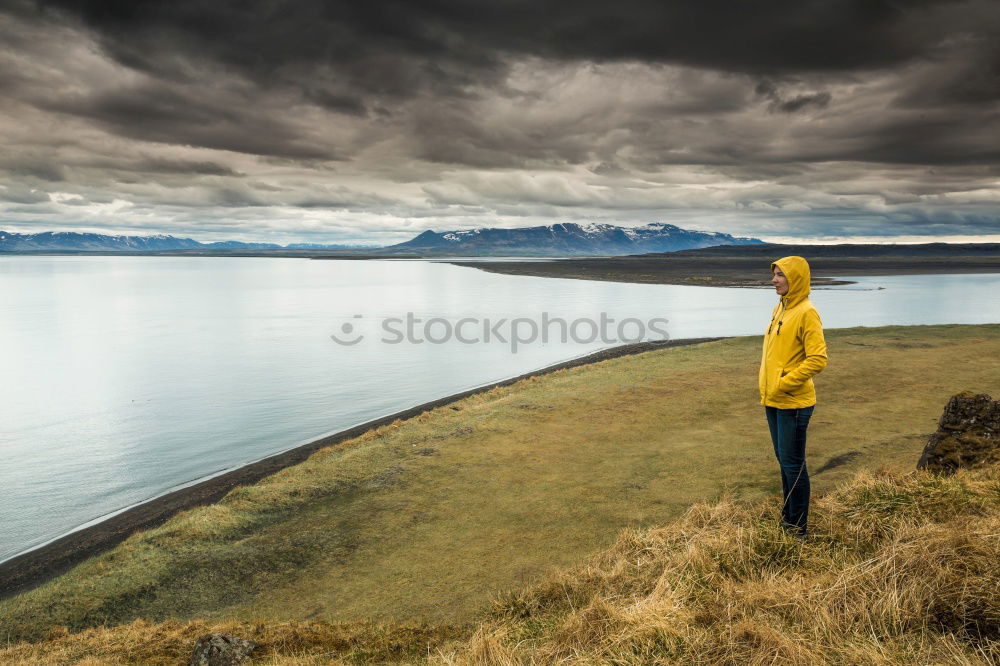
[221, 650]
[968, 434]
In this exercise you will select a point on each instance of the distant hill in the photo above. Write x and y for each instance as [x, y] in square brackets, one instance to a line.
[774, 250]
[568, 239]
[239, 245]
[749, 265]
[69, 241]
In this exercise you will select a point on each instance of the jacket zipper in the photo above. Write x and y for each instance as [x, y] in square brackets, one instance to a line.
[780, 321]
[780, 314]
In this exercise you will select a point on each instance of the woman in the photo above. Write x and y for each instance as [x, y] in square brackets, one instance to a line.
[794, 351]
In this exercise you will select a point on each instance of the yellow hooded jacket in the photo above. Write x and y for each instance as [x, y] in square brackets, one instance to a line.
[794, 347]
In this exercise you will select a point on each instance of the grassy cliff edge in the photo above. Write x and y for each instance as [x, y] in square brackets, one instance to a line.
[389, 547]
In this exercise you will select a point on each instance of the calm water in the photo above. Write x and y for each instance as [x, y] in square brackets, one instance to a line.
[127, 377]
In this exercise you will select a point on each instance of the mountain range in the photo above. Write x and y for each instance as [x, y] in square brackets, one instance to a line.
[567, 239]
[70, 241]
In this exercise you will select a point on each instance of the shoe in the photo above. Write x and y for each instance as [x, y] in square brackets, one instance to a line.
[800, 534]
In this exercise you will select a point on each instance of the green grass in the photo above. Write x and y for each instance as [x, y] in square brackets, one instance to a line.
[427, 520]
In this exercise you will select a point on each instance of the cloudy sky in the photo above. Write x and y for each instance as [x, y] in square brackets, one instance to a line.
[370, 121]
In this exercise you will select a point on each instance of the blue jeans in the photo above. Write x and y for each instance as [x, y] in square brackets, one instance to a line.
[788, 435]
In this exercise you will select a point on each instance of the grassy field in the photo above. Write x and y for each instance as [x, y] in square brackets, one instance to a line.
[901, 570]
[430, 519]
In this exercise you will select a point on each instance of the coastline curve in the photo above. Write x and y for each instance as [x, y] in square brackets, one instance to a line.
[37, 566]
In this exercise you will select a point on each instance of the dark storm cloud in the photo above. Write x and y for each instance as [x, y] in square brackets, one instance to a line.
[46, 171]
[354, 56]
[169, 114]
[267, 37]
[797, 103]
[973, 81]
[167, 166]
[928, 223]
[931, 139]
[339, 55]
[364, 59]
[504, 110]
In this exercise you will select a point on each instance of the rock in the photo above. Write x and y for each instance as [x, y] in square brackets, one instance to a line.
[221, 650]
[968, 434]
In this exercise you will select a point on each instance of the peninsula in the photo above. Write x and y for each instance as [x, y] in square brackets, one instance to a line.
[747, 265]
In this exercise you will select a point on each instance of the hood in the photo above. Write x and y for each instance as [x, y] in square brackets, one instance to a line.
[796, 269]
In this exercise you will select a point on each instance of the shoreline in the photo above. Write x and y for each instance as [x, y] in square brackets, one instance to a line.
[701, 271]
[35, 567]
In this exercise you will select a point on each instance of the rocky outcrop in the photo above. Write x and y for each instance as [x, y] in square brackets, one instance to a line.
[221, 650]
[968, 434]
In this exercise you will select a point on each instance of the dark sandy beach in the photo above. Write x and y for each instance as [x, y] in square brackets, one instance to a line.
[35, 567]
[749, 266]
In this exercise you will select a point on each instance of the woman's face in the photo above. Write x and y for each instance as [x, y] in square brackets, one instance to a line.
[779, 281]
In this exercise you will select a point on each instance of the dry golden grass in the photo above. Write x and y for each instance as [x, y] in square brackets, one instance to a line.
[288, 643]
[424, 520]
[901, 569]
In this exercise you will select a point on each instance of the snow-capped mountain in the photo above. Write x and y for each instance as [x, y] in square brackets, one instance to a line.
[566, 239]
[62, 241]
[49, 241]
